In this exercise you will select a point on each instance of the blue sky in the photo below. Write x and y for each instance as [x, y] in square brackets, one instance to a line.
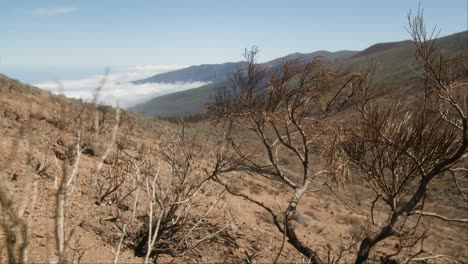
[50, 39]
[127, 33]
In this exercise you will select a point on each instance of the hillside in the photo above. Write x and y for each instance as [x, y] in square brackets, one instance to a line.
[180, 103]
[395, 62]
[222, 72]
[200, 73]
[393, 69]
[379, 47]
[38, 145]
[298, 132]
[193, 100]
[39, 136]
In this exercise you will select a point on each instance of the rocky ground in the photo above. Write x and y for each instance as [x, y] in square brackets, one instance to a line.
[38, 131]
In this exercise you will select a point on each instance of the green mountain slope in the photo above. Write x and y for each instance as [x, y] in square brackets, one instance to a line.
[193, 100]
[222, 72]
[394, 62]
[200, 73]
[180, 103]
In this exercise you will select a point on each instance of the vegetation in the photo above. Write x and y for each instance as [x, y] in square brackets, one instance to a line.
[391, 70]
[180, 104]
[396, 149]
[291, 119]
[292, 142]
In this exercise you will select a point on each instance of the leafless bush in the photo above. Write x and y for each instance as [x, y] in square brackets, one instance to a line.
[290, 117]
[178, 198]
[399, 148]
[112, 178]
[17, 214]
[65, 185]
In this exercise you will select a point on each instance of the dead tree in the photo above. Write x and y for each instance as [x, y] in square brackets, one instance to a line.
[287, 113]
[179, 196]
[66, 180]
[17, 213]
[400, 147]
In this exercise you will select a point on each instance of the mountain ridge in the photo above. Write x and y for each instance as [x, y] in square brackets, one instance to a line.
[222, 71]
[393, 62]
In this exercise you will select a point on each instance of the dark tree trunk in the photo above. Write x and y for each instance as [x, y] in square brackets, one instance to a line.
[369, 242]
[303, 249]
[291, 234]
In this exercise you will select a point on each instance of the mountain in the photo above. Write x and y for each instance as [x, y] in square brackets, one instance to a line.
[193, 100]
[379, 47]
[326, 55]
[199, 73]
[180, 103]
[222, 72]
[394, 61]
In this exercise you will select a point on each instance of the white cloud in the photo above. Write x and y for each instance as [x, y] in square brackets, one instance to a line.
[118, 86]
[52, 11]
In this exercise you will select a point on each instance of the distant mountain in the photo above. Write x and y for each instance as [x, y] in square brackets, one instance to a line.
[394, 62]
[222, 72]
[193, 100]
[376, 48]
[180, 103]
[200, 73]
[326, 55]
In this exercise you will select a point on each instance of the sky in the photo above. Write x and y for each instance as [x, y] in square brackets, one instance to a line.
[43, 41]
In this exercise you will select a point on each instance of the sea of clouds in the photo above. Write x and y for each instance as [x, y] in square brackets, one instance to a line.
[117, 85]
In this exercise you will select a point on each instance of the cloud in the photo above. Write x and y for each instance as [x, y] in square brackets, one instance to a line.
[52, 11]
[118, 86]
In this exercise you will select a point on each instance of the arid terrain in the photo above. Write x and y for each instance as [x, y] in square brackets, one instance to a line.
[39, 133]
[303, 159]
